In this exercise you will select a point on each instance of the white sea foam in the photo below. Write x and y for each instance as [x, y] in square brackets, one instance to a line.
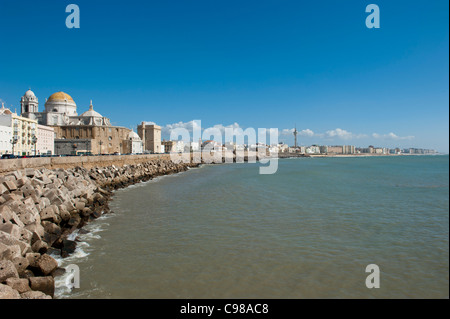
[73, 235]
[63, 284]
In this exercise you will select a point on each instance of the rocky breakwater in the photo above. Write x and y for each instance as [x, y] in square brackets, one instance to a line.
[40, 208]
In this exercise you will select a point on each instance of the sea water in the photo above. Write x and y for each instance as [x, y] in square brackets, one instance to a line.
[308, 231]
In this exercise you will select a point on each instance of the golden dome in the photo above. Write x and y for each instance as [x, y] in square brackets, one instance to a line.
[60, 96]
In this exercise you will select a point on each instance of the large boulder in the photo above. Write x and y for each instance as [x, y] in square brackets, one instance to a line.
[5, 214]
[9, 240]
[79, 205]
[36, 228]
[34, 295]
[7, 270]
[9, 252]
[6, 292]
[10, 185]
[27, 217]
[44, 284]
[11, 229]
[63, 212]
[48, 213]
[3, 189]
[25, 235]
[32, 259]
[20, 284]
[46, 264]
[51, 228]
[39, 246]
[21, 264]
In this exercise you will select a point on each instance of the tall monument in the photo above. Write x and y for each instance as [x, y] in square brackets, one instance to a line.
[295, 136]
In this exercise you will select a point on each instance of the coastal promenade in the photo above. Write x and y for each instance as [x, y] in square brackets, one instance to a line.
[10, 165]
[65, 162]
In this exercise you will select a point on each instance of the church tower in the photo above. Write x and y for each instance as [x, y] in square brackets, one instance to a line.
[29, 103]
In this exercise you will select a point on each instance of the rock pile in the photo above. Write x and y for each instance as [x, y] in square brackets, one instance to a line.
[39, 208]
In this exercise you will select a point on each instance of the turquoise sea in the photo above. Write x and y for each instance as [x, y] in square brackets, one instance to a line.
[308, 231]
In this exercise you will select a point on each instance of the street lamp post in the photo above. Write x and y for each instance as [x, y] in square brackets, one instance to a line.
[14, 141]
[34, 142]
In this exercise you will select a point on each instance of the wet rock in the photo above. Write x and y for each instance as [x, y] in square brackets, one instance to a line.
[68, 248]
[52, 251]
[50, 239]
[97, 213]
[74, 221]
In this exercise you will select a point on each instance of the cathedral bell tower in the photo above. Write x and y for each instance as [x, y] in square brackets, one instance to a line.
[29, 103]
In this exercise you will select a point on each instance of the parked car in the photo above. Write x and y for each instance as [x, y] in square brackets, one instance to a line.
[6, 156]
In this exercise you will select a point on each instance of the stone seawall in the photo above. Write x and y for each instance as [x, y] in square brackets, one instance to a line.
[10, 165]
[43, 200]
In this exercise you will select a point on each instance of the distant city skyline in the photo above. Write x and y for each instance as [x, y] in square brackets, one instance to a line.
[241, 64]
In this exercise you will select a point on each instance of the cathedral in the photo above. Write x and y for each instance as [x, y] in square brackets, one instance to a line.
[60, 109]
[89, 132]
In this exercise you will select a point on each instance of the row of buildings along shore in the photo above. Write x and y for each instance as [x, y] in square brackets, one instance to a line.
[60, 130]
[181, 146]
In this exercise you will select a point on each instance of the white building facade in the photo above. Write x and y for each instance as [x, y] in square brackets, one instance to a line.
[45, 144]
[137, 146]
[23, 132]
[5, 140]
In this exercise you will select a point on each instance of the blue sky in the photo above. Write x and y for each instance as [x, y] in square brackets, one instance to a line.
[273, 64]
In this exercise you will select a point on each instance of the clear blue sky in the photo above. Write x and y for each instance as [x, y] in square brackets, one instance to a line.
[276, 64]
